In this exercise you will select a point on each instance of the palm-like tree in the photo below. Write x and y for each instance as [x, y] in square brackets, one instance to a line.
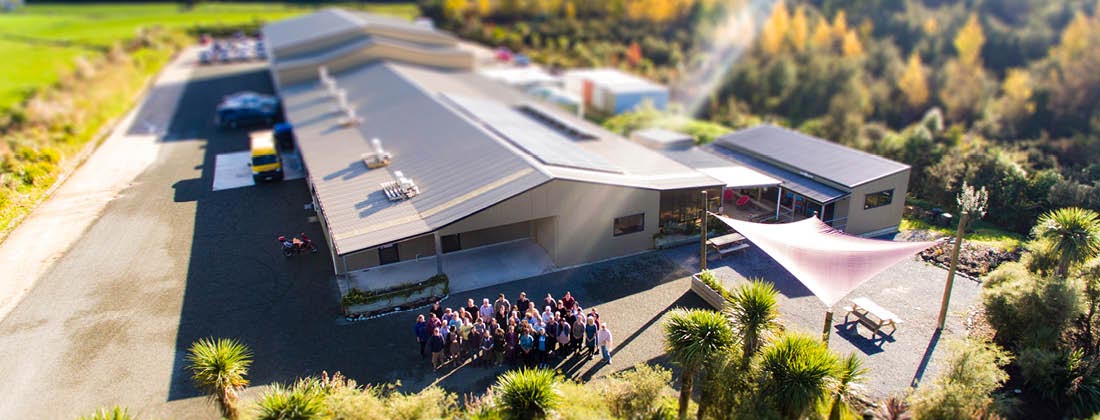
[304, 401]
[850, 371]
[1074, 234]
[218, 367]
[114, 413]
[754, 309]
[692, 337]
[797, 372]
[527, 393]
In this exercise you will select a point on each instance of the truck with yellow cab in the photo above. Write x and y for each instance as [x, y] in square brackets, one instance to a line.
[265, 162]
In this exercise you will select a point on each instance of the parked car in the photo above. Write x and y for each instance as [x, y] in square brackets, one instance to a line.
[521, 60]
[261, 53]
[206, 57]
[247, 108]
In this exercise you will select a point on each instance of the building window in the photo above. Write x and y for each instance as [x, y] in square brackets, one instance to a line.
[629, 224]
[879, 199]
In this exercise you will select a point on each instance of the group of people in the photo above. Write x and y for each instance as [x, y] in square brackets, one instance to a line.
[518, 333]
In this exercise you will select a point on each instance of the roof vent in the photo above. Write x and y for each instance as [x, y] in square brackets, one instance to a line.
[402, 189]
[350, 117]
[378, 157]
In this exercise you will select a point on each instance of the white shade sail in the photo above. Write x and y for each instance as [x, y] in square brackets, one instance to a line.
[827, 261]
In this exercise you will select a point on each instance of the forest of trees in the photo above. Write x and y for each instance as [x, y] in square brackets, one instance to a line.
[1002, 94]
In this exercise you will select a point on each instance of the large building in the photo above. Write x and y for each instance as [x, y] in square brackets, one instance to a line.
[612, 91]
[413, 158]
[490, 164]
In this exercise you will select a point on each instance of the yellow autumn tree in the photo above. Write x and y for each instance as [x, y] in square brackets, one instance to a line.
[840, 26]
[914, 83]
[800, 29]
[453, 9]
[570, 10]
[969, 42]
[775, 30]
[1075, 38]
[484, 8]
[1017, 89]
[823, 35]
[851, 46]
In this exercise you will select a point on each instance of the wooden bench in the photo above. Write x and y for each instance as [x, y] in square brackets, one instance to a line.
[728, 244]
[872, 316]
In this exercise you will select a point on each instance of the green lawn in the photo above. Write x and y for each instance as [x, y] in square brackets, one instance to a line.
[40, 42]
[979, 232]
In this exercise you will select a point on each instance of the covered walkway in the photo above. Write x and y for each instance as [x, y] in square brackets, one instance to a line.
[468, 269]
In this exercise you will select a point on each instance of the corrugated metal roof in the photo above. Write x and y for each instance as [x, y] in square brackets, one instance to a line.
[730, 172]
[395, 110]
[460, 166]
[817, 157]
[287, 34]
[803, 185]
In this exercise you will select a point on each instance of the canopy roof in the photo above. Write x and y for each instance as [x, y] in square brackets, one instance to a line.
[827, 261]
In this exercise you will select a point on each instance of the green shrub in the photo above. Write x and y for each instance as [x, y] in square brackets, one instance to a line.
[527, 393]
[428, 404]
[578, 402]
[797, 371]
[113, 413]
[1066, 378]
[638, 393]
[303, 401]
[1027, 311]
[967, 385]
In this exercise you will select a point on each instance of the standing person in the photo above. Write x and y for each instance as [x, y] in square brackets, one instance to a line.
[568, 300]
[603, 339]
[436, 345]
[523, 304]
[422, 334]
[550, 301]
[486, 311]
[526, 344]
[487, 349]
[590, 330]
[436, 310]
[541, 346]
[551, 336]
[454, 344]
[434, 322]
[578, 332]
[511, 343]
[472, 309]
[502, 302]
[593, 314]
[564, 333]
[500, 344]
[474, 345]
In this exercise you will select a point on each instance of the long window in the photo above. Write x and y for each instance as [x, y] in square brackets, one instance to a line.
[879, 199]
[629, 224]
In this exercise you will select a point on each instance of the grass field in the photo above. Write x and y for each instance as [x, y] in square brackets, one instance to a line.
[980, 232]
[39, 43]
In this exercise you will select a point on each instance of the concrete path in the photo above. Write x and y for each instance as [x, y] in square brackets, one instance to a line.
[58, 223]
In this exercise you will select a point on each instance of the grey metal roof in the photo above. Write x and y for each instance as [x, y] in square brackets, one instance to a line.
[340, 25]
[303, 29]
[814, 156]
[800, 184]
[430, 144]
[535, 138]
[460, 164]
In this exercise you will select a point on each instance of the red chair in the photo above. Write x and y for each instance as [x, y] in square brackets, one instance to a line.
[742, 201]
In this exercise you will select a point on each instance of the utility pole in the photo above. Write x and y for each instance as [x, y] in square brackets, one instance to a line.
[703, 236]
[951, 270]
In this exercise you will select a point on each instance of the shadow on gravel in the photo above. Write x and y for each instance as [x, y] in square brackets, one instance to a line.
[238, 283]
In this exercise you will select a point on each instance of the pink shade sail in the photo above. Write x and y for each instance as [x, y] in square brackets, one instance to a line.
[827, 261]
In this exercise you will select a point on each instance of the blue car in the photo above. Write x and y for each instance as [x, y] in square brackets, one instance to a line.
[247, 108]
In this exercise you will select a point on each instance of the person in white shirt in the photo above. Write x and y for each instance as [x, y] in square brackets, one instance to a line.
[603, 339]
[486, 310]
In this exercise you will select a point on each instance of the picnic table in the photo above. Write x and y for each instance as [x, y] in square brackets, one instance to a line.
[872, 316]
[728, 243]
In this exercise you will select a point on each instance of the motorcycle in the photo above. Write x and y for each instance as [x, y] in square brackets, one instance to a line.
[295, 246]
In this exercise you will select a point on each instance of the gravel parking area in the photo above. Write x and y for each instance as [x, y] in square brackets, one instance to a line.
[911, 289]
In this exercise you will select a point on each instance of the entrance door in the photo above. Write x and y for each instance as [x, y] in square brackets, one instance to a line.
[388, 254]
[450, 243]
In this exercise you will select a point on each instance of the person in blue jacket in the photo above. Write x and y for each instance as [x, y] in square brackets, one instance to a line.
[422, 334]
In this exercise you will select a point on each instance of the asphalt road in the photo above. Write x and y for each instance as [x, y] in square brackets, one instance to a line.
[168, 262]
